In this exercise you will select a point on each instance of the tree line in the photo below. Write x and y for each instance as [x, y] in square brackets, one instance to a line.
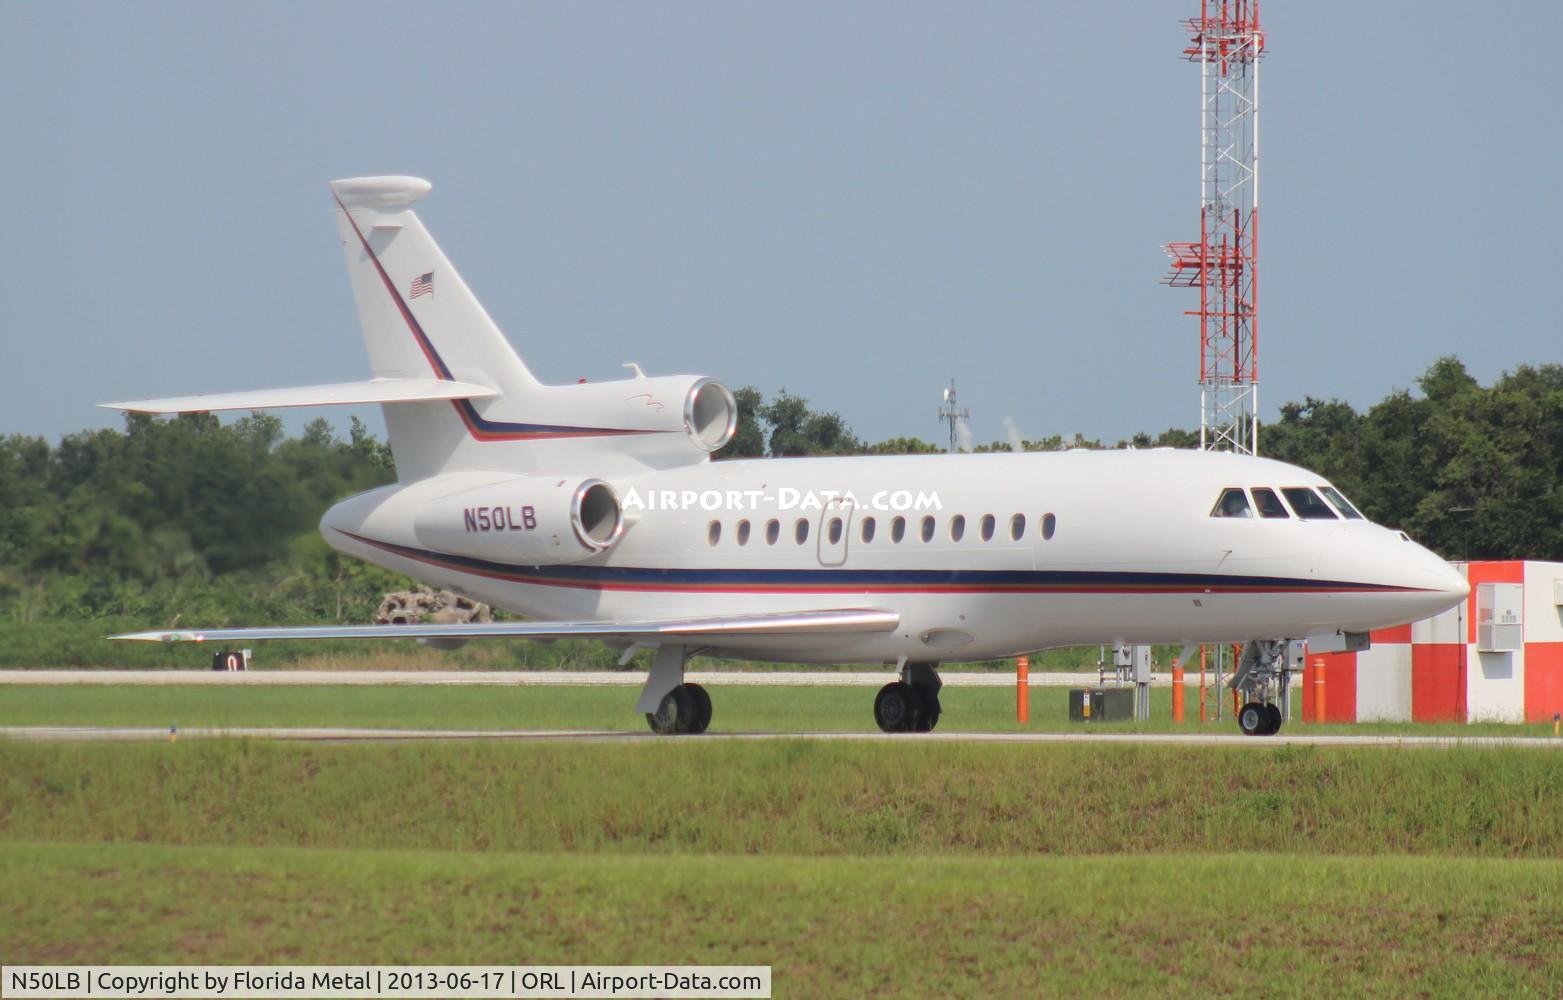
[195, 519]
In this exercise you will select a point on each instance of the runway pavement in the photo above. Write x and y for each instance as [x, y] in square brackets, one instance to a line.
[57, 734]
[547, 678]
[520, 678]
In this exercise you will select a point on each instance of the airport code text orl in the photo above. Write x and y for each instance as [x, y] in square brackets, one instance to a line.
[131, 981]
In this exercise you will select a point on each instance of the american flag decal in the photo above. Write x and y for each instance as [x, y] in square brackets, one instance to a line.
[423, 284]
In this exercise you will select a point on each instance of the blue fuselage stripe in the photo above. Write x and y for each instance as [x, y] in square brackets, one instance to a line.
[754, 578]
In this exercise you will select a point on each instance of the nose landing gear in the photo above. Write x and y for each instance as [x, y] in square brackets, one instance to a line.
[1259, 720]
[1264, 673]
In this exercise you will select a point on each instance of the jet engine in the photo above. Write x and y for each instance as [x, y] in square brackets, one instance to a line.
[530, 520]
[670, 411]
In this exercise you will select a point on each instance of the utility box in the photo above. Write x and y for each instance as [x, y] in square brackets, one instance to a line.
[1105, 704]
[1500, 617]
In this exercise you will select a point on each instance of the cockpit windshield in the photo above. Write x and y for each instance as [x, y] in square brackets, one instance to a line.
[1233, 503]
[1307, 505]
[1341, 503]
[1268, 503]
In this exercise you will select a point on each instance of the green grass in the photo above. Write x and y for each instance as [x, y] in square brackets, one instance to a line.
[882, 869]
[737, 709]
[903, 926]
[802, 798]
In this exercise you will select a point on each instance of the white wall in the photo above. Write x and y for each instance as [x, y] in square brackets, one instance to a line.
[1384, 683]
[1543, 617]
[1494, 686]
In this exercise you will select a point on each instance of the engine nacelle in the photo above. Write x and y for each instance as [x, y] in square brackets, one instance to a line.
[681, 409]
[524, 519]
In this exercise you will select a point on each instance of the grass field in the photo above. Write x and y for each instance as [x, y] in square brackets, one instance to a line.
[918, 927]
[738, 709]
[787, 797]
[900, 869]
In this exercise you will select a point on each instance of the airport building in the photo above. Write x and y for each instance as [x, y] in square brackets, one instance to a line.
[1498, 657]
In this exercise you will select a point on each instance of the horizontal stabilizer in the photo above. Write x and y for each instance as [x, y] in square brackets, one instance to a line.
[377, 390]
[699, 629]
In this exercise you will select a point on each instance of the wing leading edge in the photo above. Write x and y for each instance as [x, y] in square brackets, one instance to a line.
[845, 620]
[377, 390]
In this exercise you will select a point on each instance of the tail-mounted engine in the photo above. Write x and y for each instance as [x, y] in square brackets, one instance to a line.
[530, 520]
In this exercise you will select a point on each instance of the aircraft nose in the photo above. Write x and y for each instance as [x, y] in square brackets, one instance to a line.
[1417, 583]
[1437, 585]
[1446, 580]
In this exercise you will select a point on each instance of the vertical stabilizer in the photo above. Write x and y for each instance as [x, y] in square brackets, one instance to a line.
[419, 320]
[427, 334]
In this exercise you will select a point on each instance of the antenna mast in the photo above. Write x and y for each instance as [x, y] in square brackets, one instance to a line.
[952, 413]
[1227, 43]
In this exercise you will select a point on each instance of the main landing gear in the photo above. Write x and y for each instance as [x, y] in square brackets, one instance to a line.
[685, 709]
[672, 704]
[911, 704]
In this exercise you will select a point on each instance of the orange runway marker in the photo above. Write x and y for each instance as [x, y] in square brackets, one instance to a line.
[1022, 690]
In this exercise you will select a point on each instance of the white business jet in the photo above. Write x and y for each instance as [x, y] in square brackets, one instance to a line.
[595, 511]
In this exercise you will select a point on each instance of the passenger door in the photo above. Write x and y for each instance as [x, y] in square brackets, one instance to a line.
[835, 527]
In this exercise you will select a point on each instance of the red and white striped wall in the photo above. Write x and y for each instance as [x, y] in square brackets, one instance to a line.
[1434, 671]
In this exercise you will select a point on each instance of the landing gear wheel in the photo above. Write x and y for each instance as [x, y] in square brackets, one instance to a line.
[1275, 720]
[702, 718]
[899, 709]
[677, 713]
[1254, 720]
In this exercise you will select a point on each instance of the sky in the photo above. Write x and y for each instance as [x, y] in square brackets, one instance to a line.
[855, 202]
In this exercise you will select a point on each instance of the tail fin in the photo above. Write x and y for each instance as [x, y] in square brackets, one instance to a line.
[419, 319]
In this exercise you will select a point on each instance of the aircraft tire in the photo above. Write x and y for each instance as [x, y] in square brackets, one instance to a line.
[898, 708]
[1275, 720]
[676, 713]
[702, 717]
[1253, 720]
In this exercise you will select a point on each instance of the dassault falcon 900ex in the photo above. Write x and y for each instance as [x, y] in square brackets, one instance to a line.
[595, 511]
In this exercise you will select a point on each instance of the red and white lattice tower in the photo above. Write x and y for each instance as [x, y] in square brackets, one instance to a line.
[1227, 43]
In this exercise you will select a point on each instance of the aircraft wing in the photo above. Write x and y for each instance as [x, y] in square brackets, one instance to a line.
[846, 620]
[377, 390]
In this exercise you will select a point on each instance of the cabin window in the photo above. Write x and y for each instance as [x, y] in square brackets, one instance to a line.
[714, 533]
[1341, 503]
[800, 531]
[898, 529]
[867, 531]
[772, 531]
[1307, 505]
[743, 532]
[928, 529]
[1017, 527]
[957, 527]
[1268, 503]
[1233, 503]
[834, 531]
[987, 527]
[1049, 524]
